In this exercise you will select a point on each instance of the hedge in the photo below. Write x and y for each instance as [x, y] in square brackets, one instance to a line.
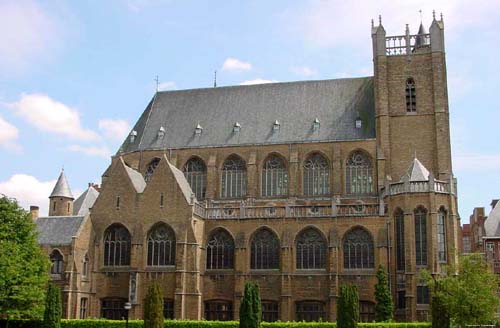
[101, 323]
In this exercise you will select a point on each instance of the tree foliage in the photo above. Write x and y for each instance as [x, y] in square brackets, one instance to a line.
[439, 313]
[23, 266]
[383, 298]
[251, 307]
[53, 307]
[468, 292]
[348, 307]
[153, 307]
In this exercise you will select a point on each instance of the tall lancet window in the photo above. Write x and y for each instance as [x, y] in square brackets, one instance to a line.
[234, 177]
[316, 176]
[441, 235]
[421, 236]
[150, 169]
[56, 259]
[274, 177]
[358, 250]
[359, 174]
[265, 250]
[411, 96]
[161, 246]
[311, 250]
[116, 246]
[195, 172]
[400, 240]
[220, 250]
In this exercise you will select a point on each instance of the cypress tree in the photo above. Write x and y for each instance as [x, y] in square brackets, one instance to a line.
[256, 302]
[248, 317]
[383, 299]
[153, 307]
[348, 307]
[53, 307]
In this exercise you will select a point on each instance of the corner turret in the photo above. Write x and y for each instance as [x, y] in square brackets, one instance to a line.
[61, 198]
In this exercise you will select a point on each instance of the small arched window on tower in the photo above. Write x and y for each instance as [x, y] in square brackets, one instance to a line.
[411, 96]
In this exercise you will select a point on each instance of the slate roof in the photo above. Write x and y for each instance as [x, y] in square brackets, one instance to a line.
[181, 180]
[416, 172]
[136, 178]
[336, 103]
[58, 230]
[86, 200]
[492, 223]
[61, 188]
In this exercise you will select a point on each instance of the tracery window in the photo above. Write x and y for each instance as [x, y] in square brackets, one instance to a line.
[311, 250]
[421, 236]
[310, 311]
[400, 240]
[113, 308]
[316, 176]
[274, 177]
[161, 246]
[270, 311]
[441, 235]
[195, 172]
[234, 177]
[359, 174]
[411, 96]
[358, 250]
[220, 251]
[265, 250]
[168, 308]
[116, 246]
[151, 169]
[219, 310]
[56, 259]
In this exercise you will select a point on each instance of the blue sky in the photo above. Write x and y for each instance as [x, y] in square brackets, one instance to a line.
[75, 75]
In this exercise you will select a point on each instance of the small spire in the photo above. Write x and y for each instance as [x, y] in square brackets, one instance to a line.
[407, 29]
[157, 83]
[420, 11]
[373, 25]
[215, 79]
[379, 20]
[441, 16]
[61, 189]
[433, 14]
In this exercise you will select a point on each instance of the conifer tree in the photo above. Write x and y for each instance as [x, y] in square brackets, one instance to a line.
[348, 307]
[256, 302]
[153, 307]
[248, 316]
[383, 299]
[439, 312]
[53, 307]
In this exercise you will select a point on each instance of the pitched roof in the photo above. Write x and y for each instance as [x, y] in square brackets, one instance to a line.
[181, 181]
[136, 178]
[416, 171]
[58, 230]
[336, 103]
[61, 188]
[492, 223]
[86, 200]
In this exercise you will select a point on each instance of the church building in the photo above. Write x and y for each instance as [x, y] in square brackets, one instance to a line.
[298, 186]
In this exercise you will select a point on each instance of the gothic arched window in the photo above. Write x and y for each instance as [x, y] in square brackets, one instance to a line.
[220, 250]
[411, 96]
[274, 177]
[151, 169]
[358, 250]
[234, 177]
[161, 245]
[85, 266]
[359, 174]
[195, 172]
[316, 176]
[56, 259]
[310, 250]
[265, 250]
[421, 236]
[441, 235]
[116, 246]
[400, 239]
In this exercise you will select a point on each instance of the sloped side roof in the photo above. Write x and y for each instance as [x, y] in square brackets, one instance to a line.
[86, 200]
[336, 103]
[58, 230]
[61, 189]
[136, 178]
[492, 223]
[182, 182]
[416, 171]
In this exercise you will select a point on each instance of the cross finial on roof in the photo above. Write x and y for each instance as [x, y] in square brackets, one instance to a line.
[441, 16]
[373, 25]
[420, 11]
[215, 79]
[379, 19]
[157, 83]
[433, 14]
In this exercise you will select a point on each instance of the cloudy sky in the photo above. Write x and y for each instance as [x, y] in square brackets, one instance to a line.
[75, 75]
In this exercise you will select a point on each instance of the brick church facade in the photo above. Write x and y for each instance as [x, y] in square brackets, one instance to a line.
[299, 186]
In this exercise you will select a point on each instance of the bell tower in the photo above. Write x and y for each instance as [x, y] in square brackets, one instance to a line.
[411, 101]
[61, 198]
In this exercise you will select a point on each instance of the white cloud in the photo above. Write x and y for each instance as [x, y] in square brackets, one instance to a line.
[8, 135]
[29, 34]
[114, 129]
[52, 116]
[257, 81]
[28, 191]
[233, 64]
[304, 71]
[101, 151]
[169, 85]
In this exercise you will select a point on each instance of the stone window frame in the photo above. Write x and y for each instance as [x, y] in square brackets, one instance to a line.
[112, 308]
[233, 180]
[311, 250]
[150, 168]
[421, 253]
[359, 250]
[359, 179]
[316, 173]
[161, 245]
[220, 250]
[117, 246]
[411, 95]
[274, 176]
[220, 310]
[265, 250]
[441, 235]
[270, 310]
[84, 302]
[310, 311]
[195, 171]
[57, 262]
[399, 226]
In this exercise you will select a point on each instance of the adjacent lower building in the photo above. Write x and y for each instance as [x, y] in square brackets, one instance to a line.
[299, 186]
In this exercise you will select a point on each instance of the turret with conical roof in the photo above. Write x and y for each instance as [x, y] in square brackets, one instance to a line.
[61, 198]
